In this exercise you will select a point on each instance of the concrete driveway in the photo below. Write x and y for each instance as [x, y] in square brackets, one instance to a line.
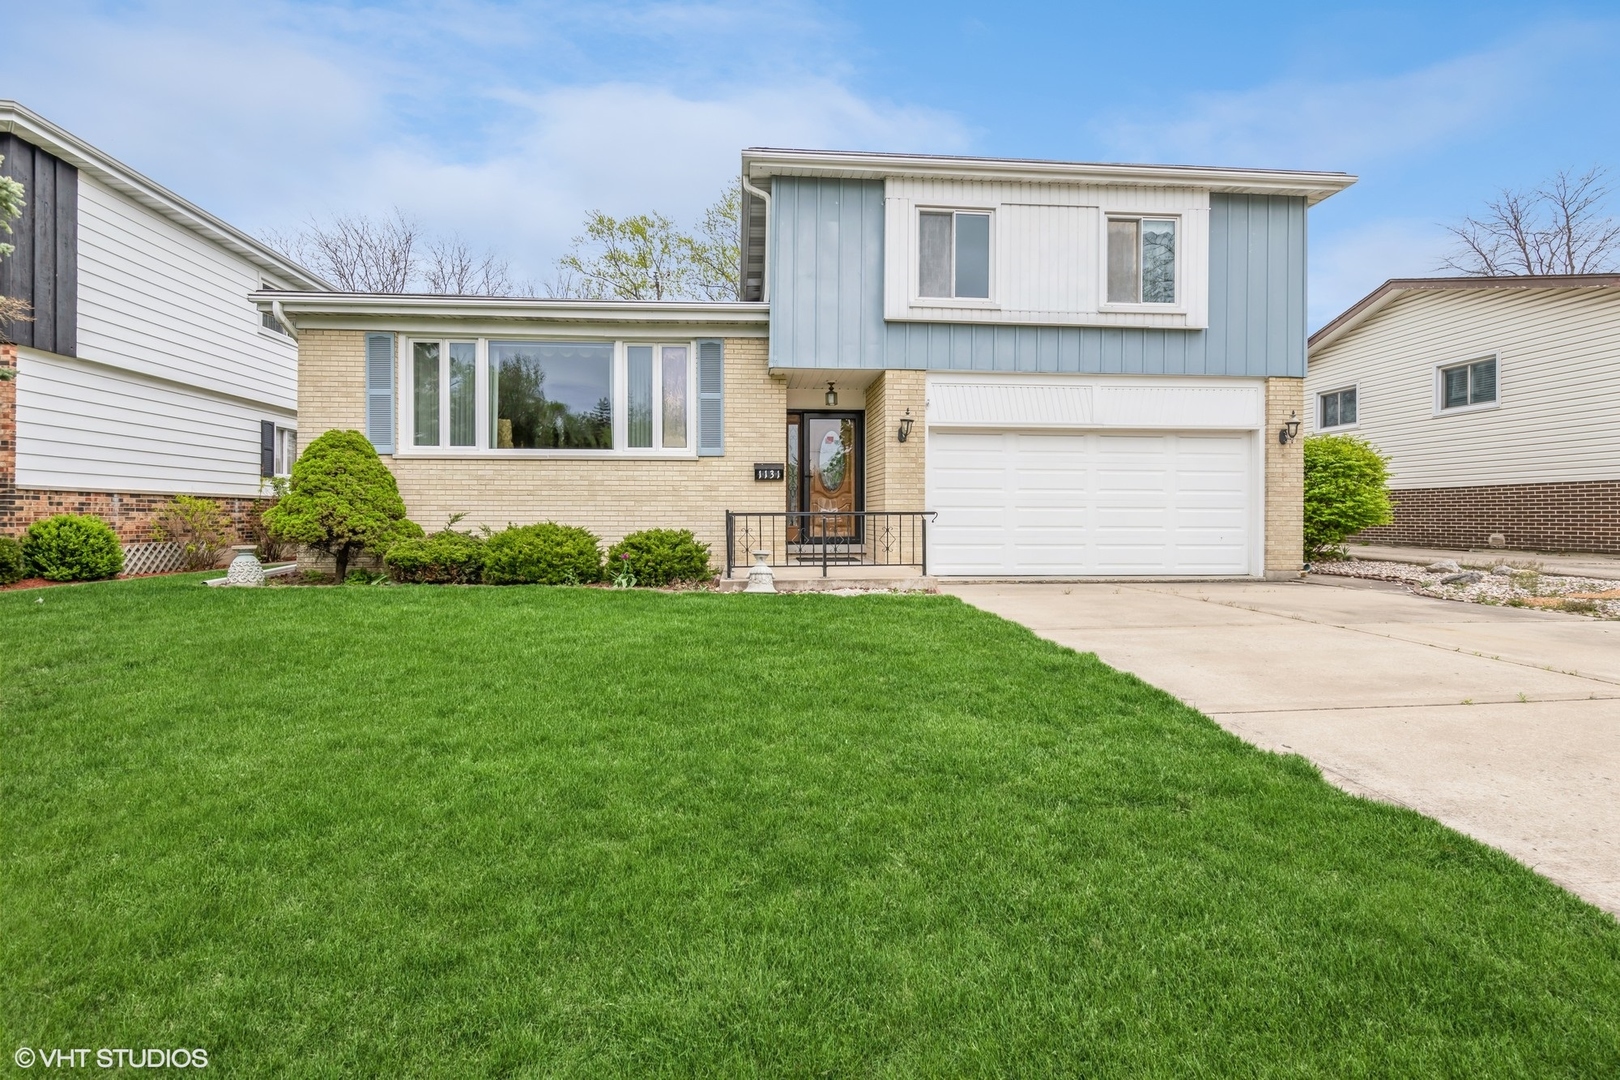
[1502, 723]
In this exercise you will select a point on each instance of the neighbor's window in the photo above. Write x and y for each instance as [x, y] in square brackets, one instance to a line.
[1141, 261]
[1336, 409]
[286, 451]
[550, 395]
[270, 322]
[443, 382]
[953, 254]
[1473, 383]
[656, 373]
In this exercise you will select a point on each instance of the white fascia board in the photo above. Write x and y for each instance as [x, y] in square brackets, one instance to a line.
[368, 311]
[760, 163]
[32, 128]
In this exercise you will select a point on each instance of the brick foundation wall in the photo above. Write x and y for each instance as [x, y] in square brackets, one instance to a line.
[1581, 517]
[130, 514]
[1285, 480]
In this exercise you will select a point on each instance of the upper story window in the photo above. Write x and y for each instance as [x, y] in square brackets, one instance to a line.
[1463, 386]
[1141, 260]
[270, 322]
[953, 254]
[1336, 409]
[483, 395]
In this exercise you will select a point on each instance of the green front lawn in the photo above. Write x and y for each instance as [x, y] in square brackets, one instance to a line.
[568, 832]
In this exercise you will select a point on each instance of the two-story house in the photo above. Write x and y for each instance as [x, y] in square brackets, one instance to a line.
[1074, 369]
[146, 370]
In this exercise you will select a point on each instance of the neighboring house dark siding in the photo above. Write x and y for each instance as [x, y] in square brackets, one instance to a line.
[1577, 516]
[44, 270]
[827, 298]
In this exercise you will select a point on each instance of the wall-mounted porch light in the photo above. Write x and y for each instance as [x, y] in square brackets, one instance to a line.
[832, 396]
[1290, 429]
[905, 427]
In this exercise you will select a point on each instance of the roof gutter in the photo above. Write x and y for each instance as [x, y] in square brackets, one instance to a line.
[765, 271]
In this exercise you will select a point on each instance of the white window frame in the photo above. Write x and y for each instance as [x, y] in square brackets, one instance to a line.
[1320, 394]
[980, 302]
[1440, 370]
[405, 443]
[1179, 305]
[282, 462]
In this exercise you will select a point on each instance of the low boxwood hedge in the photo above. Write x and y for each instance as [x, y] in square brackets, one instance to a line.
[73, 547]
[544, 554]
[446, 557]
[661, 556]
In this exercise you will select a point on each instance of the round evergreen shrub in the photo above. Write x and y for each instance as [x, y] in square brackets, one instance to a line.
[544, 554]
[444, 558]
[73, 547]
[1345, 491]
[661, 556]
[13, 566]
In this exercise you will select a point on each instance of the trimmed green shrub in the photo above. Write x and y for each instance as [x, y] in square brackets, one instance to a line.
[13, 566]
[1345, 491]
[446, 557]
[199, 526]
[544, 554]
[341, 500]
[73, 547]
[660, 556]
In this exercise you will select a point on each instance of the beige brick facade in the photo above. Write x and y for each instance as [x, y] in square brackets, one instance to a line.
[1285, 480]
[609, 497]
[895, 470]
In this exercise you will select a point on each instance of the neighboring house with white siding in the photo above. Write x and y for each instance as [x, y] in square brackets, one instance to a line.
[1495, 400]
[147, 370]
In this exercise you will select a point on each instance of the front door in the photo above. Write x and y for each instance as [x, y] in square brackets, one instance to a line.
[826, 476]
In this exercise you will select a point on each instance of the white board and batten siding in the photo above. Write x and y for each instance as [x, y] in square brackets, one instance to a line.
[174, 372]
[1082, 476]
[1048, 261]
[1558, 385]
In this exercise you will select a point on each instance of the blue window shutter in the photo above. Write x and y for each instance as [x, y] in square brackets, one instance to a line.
[711, 398]
[380, 391]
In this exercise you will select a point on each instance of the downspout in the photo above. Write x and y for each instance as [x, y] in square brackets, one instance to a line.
[765, 268]
[281, 317]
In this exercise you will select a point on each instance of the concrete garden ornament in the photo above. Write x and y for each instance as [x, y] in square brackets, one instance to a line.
[760, 578]
[245, 569]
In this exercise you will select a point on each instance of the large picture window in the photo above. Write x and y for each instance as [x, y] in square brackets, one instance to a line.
[443, 380]
[550, 396]
[1141, 261]
[953, 254]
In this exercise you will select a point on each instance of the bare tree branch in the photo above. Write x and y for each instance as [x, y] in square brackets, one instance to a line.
[355, 252]
[451, 268]
[646, 257]
[1556, 228]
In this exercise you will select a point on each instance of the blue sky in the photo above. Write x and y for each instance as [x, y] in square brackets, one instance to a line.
[506, 122]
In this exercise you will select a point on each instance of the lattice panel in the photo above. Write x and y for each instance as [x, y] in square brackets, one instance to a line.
[152, 558]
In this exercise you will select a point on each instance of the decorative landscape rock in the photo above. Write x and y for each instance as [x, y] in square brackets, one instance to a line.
[1443, 566]
[1466, 577]
[1502, 570]
[1592, 597]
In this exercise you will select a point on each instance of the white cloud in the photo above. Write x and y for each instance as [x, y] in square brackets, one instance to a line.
[1304, 123]
[1348, 265]
[505, 123]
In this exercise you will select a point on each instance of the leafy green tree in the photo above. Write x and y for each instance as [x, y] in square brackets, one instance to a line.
[1346, 490]
[341, 500]
[648, 257]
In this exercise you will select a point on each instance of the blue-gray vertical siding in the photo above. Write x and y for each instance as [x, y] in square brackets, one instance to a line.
[827, 298]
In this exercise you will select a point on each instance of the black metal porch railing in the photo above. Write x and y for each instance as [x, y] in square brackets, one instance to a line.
[828, 538]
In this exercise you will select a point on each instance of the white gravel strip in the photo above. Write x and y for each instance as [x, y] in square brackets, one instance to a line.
[1524, 586]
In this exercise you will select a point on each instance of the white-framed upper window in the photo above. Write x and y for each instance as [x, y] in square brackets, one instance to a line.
[513, 395]
[953, 254]
[1470, 384]
[286, 450]
[1337, 409]
[1141, 260]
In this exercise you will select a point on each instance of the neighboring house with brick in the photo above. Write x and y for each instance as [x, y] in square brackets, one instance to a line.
[147, 371]
[1075, 369]
[1495, 400]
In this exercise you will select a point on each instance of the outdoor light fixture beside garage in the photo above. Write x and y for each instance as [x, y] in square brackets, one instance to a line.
[1290, 429]
[905, 427]
[832, 396]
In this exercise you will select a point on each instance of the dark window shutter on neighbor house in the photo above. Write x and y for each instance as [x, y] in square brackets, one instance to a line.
[380, 391]
[267, 448]
[711, 398]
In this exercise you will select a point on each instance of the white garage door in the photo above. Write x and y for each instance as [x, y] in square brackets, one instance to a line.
[1014, 503]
